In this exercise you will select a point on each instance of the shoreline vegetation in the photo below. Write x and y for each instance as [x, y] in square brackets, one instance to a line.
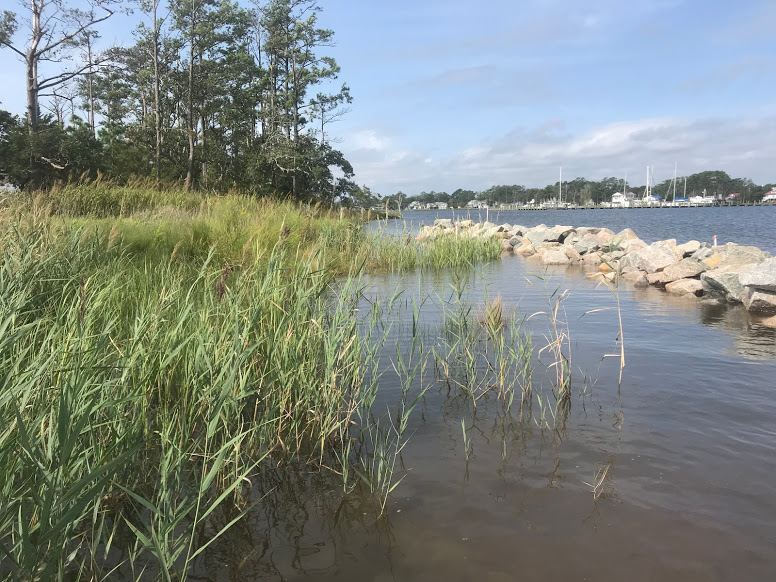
[163, 352]
[158, 349]
[729, 273]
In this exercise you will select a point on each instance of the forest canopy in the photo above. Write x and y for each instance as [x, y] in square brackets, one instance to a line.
[210, 94]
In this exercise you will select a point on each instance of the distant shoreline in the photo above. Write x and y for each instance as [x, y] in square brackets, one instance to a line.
[513, 207]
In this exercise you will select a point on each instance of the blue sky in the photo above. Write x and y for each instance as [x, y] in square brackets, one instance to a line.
[454, 93]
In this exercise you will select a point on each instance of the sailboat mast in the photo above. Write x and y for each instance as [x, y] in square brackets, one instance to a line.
[560, 186]
[648, 189]
[676, 166]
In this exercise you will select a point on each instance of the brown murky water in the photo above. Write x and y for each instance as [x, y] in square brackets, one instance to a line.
[685, 453]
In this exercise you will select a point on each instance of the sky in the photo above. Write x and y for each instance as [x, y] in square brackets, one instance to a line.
[467, 94]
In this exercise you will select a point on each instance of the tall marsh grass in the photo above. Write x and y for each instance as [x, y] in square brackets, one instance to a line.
[142, 396]
[158, 351]
[155, 349]
[176, 225]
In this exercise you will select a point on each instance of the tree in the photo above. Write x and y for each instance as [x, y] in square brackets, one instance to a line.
[8, 125]
[330, 108]
[291, 41]
[55, 30]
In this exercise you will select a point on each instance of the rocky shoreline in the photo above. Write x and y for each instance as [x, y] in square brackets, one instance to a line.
[730, 272]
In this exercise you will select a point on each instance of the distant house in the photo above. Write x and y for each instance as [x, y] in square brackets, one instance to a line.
[415, 205]
[623, 199]
[437, 206]
[477, 204]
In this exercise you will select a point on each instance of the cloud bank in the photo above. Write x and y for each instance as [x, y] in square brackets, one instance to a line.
[531, 156]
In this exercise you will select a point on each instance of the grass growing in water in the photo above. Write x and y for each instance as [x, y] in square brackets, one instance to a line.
[155, 355]
[154, 350]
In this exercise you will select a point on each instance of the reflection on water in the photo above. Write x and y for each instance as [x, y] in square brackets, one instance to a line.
[669, 477]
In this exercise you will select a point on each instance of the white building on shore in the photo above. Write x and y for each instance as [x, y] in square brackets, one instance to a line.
[623, 199]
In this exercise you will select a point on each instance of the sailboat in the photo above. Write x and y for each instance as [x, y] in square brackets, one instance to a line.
[649, 198]
[682, 200]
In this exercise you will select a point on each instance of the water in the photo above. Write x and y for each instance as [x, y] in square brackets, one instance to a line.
[688, 444]
[745, 225]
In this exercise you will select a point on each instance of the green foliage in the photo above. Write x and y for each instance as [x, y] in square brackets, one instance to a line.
[235, 94]
[155, 348]
[584, 192]
[139, 396]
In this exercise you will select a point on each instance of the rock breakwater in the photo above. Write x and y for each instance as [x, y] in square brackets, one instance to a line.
[731, 273]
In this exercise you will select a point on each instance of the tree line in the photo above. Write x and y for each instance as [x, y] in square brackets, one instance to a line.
[210, 95]
[580, 191]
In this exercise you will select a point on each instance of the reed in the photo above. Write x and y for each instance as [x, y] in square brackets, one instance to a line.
[141, 395]
[158, 352]
[146, 224]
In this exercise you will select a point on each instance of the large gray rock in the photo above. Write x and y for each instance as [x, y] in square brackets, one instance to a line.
[685, 287]
[637, 278]
[632, 245]
[572, 254]
[733, 254]
[762, 276]
[604, 235]
[591, 259]
[516, 241]
[724, 283]
[759, 301]
[506, 246]
[443, 223]
[542, 234]
[518, 230]
[702, 253]
[587, 244]
[626, 234]
[525, 250]
[651, 259]
[729, 263]
[657, 278]
[555, 257]
[536, 235]
[563, 232]
[688, 248]
[684, 269]
[495, 232]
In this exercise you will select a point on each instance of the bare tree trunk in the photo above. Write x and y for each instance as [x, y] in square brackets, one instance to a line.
[202, 145]
[90, 86]
[45, 42]
[157, 113]
[191, 124]
[33, 114]
[31, 62]
[294, 188]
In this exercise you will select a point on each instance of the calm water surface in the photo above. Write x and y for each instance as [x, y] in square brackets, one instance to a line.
[688, 443]
[746, 225]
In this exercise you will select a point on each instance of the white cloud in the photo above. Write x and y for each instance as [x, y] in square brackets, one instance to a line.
[368, 140]
[744, 148]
